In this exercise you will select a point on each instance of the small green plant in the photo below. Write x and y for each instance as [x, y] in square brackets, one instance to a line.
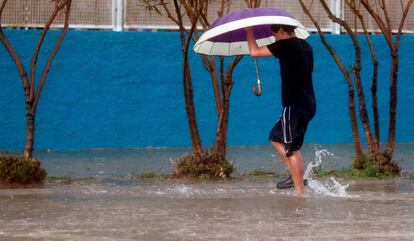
[205, 165]
[67, 180]
[261, 173]
[204, 177]
[20, 170]
[60, 180]
[146, 175]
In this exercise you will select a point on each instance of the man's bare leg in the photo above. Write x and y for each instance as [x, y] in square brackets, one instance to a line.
[281, 150]
[294, 163]
[296, 167]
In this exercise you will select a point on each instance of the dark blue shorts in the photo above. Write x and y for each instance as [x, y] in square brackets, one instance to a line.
[291, 127]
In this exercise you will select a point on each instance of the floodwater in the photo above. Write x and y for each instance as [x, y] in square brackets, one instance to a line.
[116, 206]
[132, 162]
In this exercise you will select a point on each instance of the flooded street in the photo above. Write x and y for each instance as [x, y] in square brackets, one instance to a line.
[239, 210]
[115, 206]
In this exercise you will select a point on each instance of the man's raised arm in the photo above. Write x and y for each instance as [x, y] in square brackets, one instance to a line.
[254, 49]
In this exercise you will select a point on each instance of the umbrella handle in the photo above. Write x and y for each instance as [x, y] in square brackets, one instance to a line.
[257, 91]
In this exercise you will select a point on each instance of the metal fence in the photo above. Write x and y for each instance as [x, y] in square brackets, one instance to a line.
[120, 15]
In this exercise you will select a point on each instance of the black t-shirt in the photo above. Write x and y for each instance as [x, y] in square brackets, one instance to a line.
[296, 67]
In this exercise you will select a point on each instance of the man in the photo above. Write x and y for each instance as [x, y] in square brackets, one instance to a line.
[298, 99]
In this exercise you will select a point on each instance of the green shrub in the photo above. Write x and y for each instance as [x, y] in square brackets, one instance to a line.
[19, 170]
[205, 165]
[376, 166]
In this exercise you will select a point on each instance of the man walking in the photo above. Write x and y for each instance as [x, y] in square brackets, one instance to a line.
[298, 99]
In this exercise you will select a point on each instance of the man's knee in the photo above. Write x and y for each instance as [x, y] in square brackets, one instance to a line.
[276, 143]
[283, 148]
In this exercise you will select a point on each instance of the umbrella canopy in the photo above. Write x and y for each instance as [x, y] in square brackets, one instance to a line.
[227, 35]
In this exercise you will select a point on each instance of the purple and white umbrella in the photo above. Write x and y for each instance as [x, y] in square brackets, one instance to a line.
[227, 35]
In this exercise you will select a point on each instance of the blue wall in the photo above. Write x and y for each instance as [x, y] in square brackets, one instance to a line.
[124, 90]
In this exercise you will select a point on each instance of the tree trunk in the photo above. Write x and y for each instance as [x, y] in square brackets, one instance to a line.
[353, 119]
[223, 113]
[375, 108]
[216, 87]
[189, 99]
[185, 38]
[30, 131]
[363, 115]
[220, 147]
[393, 106]
[356, 8]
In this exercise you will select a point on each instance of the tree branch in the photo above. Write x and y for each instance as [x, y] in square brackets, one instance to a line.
[402, 22]
[381, 24]
[2, 6]
[386, 14]
[33, 62]
[46, 69]
[169, 15]
[10, 49]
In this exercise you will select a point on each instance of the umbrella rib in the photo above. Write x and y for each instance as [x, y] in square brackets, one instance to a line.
[212, 46]
[231, 37]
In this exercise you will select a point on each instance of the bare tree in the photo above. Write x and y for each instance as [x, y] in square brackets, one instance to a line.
[383, 20]
[196, 11]
[176, 14]
[222, 84]
[226, 83]
[354, 79]
[31, 90]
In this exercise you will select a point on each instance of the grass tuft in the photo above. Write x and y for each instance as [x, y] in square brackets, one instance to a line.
[262, 173]
[147, 175]
[369, 172]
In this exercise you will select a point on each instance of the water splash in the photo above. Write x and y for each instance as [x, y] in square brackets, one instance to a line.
[317, 162]
[331, 187]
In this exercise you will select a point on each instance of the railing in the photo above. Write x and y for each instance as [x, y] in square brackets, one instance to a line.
[120, 15]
